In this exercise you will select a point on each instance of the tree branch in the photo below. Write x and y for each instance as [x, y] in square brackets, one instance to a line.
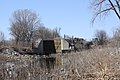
[118, 5]
[114, 9]
[98, 13]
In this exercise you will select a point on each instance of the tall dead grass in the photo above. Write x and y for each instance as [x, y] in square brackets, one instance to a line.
[93, 64]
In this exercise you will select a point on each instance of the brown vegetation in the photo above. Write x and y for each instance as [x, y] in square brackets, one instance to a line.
[89, 64]
[100, 61]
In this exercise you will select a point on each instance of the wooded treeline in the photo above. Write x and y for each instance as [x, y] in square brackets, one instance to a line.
[26, 27]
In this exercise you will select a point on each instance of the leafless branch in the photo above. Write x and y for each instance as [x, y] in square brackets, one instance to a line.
[101, 7]
[101, 12]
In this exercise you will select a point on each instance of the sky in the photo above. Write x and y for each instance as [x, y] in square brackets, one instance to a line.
[72, 16]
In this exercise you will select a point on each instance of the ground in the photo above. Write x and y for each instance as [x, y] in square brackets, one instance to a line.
[93, 64]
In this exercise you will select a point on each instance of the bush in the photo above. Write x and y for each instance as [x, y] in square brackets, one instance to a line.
[101, 36]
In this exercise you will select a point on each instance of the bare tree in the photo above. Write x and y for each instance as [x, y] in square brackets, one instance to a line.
[56, 32]
[116, 37]
[23, 24]
[116, 34]
[101, 35]
[102, 7]
[46, 33]
[1, 38]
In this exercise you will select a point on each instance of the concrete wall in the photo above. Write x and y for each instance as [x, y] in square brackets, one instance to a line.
[46, 47]
[64, 45]
[53, 46]
[40, 47]
[57, 43]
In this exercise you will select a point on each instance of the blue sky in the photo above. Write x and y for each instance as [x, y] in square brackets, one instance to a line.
[72, 16]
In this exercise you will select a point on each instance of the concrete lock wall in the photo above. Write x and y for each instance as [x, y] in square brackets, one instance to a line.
[53, 46]
[40, 47]
[57, 43]
[64, 45]
[48, 47]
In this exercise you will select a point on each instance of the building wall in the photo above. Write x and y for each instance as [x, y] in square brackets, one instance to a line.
[40, 47]
[64, 45]
[48, 47]
[57, 43]
[53, 46]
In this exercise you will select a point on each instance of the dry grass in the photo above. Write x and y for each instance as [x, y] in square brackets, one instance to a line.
[94, 64]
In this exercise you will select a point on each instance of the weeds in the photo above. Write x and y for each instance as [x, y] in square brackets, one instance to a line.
[93, 64]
